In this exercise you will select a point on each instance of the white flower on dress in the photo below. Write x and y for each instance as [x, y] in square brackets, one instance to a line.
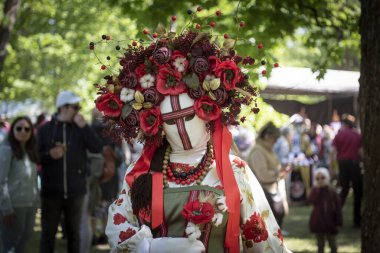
[179, 64]
[192, 231]
[217, 219]
[221, 203]
[127, 95]
[147, 81]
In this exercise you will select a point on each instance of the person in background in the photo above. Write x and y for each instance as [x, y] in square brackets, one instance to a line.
[104, 184]
[347, 150]
[62, 146]
[268, 169]
[42, 119]
[282, 149]
[326, 216]
[4, 127]
[18, 186]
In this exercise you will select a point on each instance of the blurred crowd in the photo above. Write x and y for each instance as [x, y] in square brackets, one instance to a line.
[65, 167]
[305, 162]
[69, 170]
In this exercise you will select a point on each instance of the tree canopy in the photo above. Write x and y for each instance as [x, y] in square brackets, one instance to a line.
[48, 50]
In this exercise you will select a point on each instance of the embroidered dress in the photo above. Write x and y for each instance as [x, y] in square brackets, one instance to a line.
[259, 228]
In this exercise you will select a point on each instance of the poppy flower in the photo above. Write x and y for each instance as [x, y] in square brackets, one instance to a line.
[169, 82]
[228, 71]
[206, 109]
[109, 104]
[198, 212]
[150, 121]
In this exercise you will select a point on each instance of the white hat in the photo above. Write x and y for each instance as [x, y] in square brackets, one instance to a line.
[67, 98]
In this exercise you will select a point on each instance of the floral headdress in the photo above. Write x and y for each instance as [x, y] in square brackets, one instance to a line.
[191, 62]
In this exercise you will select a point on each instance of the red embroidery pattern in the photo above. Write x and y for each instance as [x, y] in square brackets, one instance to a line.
[118, 219]
[279, 235]
[124, 235]
[118, 202]
[255, 229]
[239, 163]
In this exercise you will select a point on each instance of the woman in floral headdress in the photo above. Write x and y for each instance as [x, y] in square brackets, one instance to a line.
[185, 193]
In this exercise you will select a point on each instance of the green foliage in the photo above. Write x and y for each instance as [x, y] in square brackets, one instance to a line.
[49, 51]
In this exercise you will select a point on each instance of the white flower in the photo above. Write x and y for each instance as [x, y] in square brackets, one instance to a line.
[217, 219]
[127, 95]
[221, 203]
[192, 231]
[179, 64]
[147, 81]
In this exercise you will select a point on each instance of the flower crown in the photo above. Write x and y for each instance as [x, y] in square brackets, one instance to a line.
[191, 62]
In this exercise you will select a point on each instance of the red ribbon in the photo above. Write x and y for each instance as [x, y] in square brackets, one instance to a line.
[157, 199]
[222, 140]
[141, 167]
[143, 163]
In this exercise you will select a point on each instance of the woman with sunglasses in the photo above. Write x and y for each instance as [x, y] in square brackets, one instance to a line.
[326, 217]
[18, 185]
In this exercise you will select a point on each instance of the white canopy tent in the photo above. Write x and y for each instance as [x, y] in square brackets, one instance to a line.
[340, 88]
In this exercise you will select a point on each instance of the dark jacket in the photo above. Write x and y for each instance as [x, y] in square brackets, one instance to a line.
[65, 177]
[327, 212]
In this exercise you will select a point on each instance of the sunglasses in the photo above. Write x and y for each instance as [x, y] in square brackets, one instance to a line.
[26, 129]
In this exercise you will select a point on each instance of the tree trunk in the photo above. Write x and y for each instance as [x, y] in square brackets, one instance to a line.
[369, 101]
[6, 26]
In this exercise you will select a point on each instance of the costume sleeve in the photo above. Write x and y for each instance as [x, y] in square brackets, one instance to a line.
[260, 231]
[91, 139]
[5, 164]
[259, 165]
[123, 230]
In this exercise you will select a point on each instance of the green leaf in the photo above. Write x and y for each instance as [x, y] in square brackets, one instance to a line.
[228, 44]
[160, 29]
[127, 109]
[192, 81]
[200, 36]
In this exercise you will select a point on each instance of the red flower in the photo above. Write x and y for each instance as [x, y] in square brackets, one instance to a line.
[214, 62]
[206, 109]
[198, 212]
[150, 121]
[110, 104]
[169, 82]
[239, 163]
[228, 71]
[118, 219]
[255, 229]
[124, 235]
[140, 71]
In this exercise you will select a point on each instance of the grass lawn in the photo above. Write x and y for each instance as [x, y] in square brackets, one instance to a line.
[299, 239]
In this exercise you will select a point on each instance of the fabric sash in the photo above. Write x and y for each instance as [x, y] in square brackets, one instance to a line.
[222, 139]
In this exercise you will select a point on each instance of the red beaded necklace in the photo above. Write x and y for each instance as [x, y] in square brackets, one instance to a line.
[185, 174]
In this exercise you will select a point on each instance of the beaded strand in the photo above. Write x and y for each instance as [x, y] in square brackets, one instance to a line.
[199, 175]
